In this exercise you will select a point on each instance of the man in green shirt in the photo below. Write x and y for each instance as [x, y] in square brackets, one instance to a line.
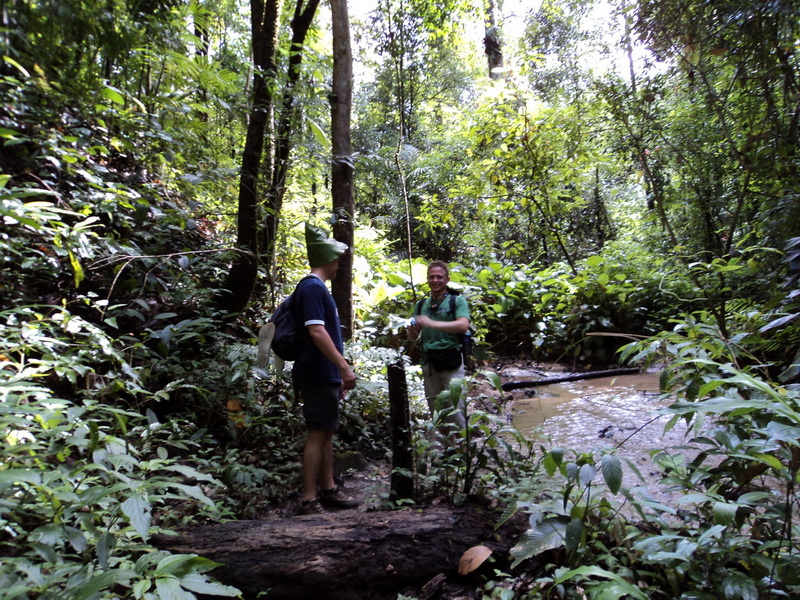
[439, 322]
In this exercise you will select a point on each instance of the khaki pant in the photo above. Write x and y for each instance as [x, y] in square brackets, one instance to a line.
[436, 382]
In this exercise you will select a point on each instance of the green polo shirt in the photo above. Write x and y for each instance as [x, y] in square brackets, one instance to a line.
[433, 339]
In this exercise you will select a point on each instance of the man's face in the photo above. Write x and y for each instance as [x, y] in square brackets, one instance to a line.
[331, 269]
[437, 280]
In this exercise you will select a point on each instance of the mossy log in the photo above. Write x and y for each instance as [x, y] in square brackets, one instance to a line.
[346, 554]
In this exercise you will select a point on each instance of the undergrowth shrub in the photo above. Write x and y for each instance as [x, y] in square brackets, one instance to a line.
[731, 534]
[554, 314]
[84, 485]
[479, 460]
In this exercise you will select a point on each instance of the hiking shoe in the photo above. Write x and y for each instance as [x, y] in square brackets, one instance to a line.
[311, 507]
[336, 498]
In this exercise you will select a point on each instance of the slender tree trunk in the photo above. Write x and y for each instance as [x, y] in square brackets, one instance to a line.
[342, 160]
[258, 219]
[287, 122]
[241, 279]
[491, 40]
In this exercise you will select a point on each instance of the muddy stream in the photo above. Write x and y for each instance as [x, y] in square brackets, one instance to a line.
[594, 414]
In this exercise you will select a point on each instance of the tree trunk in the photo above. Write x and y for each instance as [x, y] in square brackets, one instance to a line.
[491, 40]
[287, 123]
[241, 279]
[342, 161]
[402, 484]
[518, 385]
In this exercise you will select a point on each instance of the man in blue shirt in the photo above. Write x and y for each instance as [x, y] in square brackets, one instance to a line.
[321, 373]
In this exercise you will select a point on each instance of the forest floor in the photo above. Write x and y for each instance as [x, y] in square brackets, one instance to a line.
[369, 483]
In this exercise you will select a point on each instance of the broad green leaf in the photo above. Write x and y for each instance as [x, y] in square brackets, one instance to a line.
[99, 582]
[319, 133]
[770, 460]
[16, 65]
[724, 512]
[13, 476]
[549, 464]
[694, 499]
[595, 260]
[548, 535]
[104, 548]
[586, 474]
[612, 472]
[784, 433]
[557, 454]
[141, 587]
[710, 533]
[740, 585]
[8, 134]
[169, 588]
[79, 275]
[613, 590]
[111, 93]
[202, 584]
[592, 571]
[574, 533]
[182, 564]
[137, 509]
[192, 491]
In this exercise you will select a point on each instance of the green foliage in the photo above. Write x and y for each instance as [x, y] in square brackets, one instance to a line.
[606, 212]
[571, 517]
[77, 498]
[731, 531]
[535, 175]
[560, 48]
[479, 460]
[554, 314]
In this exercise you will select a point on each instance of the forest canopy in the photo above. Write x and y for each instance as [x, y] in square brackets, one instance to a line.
[611, 182]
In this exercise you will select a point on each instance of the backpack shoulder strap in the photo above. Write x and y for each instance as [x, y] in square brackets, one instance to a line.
[292, 299]
[294, 293]
[418, 308]
[453, 306]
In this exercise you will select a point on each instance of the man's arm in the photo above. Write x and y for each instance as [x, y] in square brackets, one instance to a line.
[458, 326]
[323, 341]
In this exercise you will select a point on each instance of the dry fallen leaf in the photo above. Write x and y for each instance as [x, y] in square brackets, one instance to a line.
[237, 416]
[472, 559]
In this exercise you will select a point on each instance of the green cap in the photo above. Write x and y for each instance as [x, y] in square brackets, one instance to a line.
[322, 249]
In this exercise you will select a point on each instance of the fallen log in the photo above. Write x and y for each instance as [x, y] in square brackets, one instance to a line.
[517, 385]
[346, 554]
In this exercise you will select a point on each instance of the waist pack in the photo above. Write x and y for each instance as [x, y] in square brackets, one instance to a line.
[445, 360]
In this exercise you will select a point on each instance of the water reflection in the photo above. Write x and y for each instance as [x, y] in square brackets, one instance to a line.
[590, 413]
[596, 414]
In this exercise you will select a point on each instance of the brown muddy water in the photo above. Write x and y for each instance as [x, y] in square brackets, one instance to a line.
[596, 414]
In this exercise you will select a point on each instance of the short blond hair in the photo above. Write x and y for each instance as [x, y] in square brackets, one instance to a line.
[441, 264]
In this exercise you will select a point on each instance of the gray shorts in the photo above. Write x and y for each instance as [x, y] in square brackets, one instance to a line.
[320, 405]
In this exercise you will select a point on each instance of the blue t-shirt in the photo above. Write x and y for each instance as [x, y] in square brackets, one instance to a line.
[315, 306]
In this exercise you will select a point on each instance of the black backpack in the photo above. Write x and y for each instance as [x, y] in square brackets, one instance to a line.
[467, 342]
[289, 334]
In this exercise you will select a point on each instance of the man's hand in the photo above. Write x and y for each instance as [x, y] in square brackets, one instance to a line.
[325, 344]
[457, 326]
[412, 331]
[423, 321]
[348, 378]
